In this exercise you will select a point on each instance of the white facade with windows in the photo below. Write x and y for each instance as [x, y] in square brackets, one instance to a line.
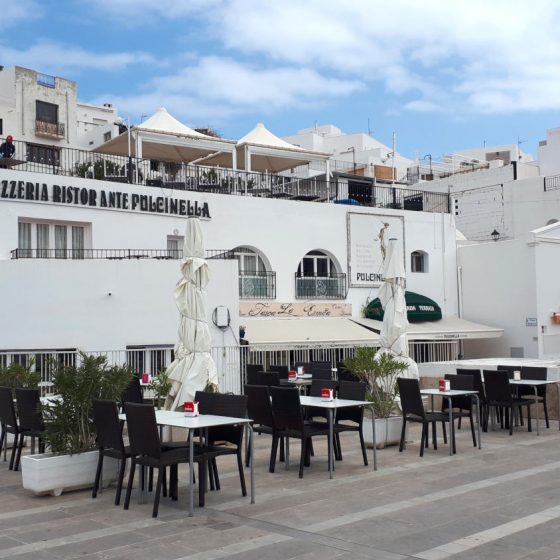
[109, 277]
[43, 111]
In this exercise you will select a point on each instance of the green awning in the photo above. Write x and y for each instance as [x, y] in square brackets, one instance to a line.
[419, 308]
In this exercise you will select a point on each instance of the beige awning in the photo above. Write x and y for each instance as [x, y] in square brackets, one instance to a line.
[332, 331]
[448, 328]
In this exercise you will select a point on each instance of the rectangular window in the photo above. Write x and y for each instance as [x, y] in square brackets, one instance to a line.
[107, 136]
[77, 242]
[1, 127]
[52, 239]
[43, 241]
[46, 112]
[24, 239]
[48, 155]
[175, 246]
[60, 242]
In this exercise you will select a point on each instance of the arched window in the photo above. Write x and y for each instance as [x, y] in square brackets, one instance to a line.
[317, 277]
[316, 263]
[255, 281]
[552, 221]
[419, 261]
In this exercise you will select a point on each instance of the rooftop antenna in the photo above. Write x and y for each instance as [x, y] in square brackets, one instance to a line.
[368, 128]
[519, 142]
[315, 126]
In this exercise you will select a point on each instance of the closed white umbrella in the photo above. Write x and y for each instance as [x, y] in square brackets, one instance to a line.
[391, 295]
[193, 368]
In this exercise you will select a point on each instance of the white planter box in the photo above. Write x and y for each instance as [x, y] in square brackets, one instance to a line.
[53, 474]
[387, 431]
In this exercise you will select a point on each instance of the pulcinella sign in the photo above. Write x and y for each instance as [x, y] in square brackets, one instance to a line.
[101, 198]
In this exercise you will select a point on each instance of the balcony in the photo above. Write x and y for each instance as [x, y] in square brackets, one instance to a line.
[321, 287]
[50, 130]
[116, 254]
[257, 285]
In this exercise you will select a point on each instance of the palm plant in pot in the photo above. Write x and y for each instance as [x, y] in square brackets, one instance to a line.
[69, 427]
[379, 372]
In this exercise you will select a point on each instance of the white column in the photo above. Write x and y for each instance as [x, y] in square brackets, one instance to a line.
[138, 154]
[234, 159]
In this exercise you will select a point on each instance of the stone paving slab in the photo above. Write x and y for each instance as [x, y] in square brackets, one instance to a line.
[499, 502]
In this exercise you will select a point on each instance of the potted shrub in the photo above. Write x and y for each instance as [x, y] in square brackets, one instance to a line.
[380, 372]
[18, 375]
[160, 385]
[70, 431]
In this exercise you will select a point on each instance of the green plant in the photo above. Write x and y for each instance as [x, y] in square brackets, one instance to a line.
[19, 375]
[160, 385]
[69, 419]
[380, 373]
[97, 170]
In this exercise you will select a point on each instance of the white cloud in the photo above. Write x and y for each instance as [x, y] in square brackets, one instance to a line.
[13, 12]
[57, 58]
[217, 88]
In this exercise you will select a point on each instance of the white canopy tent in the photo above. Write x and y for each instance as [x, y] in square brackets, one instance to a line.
[261, 150]
[163, 137]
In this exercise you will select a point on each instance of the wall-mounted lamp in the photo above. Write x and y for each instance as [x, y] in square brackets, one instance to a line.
[495, 235]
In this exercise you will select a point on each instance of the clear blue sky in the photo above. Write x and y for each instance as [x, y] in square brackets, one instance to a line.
[443, 75]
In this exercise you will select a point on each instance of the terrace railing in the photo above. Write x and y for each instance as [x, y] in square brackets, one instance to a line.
[70, 162]
[231, 361]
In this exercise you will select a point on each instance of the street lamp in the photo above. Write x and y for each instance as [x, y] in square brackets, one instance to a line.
[495, 235]
[353, 150]
[120, 122]
[429, 156]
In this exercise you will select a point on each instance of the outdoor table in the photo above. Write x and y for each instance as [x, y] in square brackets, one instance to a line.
[331, 407]
[203, 421]
[449, 396]
[301, 381]
[535, 383]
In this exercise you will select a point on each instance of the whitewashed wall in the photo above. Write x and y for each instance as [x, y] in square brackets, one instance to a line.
[66, 304]
[283, 231]
[498, 289]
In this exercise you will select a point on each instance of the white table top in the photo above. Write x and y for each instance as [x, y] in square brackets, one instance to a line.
[450, 393]
[336, 403]
[179, 420]
[299, 381]
[532, 382]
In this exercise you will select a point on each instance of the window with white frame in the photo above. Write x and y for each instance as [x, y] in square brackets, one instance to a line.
[175, 246]
[419, 261]
[317, 277]
[46, 239]
[316, 263]
[255, 281]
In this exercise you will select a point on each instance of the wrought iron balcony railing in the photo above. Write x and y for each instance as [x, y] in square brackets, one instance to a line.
[114, 254]
[257, 285]
[321, 287]
[52, 130]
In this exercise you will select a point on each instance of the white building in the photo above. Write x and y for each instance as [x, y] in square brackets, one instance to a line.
[358, 153]
[507, 211]
[43, 112]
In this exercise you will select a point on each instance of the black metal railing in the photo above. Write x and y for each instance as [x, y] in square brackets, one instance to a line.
[71, 162]
[321, 287]
[257, 285]
[114, 254]
[552, 183]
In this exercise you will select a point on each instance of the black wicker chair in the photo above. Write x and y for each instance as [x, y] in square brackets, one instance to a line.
[109, 442]
[354, 391]
[288, 418]
[30, 419]
[8, 423]
[413, 411]
[147, 450]
[499, 396]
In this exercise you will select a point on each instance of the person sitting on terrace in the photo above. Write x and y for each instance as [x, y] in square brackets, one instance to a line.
[7, 148]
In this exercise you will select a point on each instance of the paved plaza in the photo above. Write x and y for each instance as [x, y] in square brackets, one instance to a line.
[500, 502]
